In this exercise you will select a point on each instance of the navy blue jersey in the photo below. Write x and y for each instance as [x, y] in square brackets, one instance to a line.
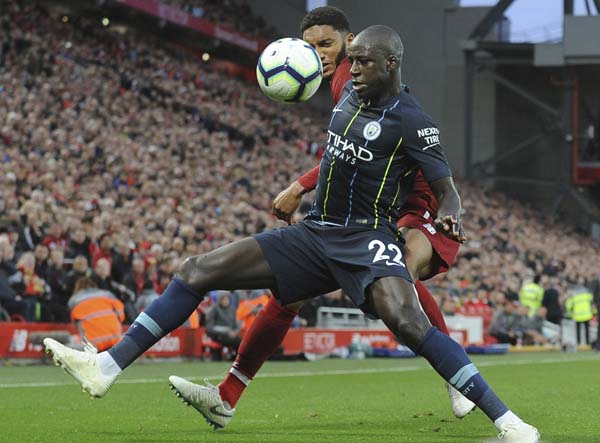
[370, 158]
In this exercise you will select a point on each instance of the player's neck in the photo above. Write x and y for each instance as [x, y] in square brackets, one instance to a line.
[393, 90]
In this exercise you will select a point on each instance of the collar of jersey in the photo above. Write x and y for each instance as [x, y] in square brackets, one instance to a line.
[383, 104]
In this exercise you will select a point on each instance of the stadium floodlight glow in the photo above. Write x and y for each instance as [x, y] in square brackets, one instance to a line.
[105, 21]
[205, 57]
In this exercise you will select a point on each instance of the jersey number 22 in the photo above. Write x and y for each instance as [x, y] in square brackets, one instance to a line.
[381, 256]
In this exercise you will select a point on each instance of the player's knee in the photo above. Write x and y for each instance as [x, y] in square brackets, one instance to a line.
[186, 269]
[411, 329]
[195, 272]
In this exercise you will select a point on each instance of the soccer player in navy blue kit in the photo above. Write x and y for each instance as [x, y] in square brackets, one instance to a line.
[376, 137]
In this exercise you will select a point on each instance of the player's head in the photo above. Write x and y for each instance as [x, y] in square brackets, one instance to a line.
[328, 31]
[376, 56]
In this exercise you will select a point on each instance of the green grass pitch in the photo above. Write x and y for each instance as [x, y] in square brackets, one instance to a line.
[373, 400]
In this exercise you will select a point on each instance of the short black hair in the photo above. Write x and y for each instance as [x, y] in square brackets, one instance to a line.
[326, 15]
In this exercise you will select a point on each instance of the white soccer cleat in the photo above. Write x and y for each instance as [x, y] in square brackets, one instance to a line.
[205, 399]
[461, 405]
[82, 365]
[519, 432]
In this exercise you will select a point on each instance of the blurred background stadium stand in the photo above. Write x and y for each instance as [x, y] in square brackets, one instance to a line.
[132, 135]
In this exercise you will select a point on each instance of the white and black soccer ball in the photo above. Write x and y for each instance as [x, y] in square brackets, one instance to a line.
[289, 70]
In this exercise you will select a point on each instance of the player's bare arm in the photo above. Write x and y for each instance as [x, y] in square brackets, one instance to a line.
[448, 217]
[287, 202]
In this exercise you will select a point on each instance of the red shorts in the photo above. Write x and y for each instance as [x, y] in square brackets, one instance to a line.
[444, 248]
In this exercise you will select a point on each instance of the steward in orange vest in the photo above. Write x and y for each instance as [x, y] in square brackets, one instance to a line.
[98, 314]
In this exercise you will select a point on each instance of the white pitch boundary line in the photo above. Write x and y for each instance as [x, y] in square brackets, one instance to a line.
[132, 381]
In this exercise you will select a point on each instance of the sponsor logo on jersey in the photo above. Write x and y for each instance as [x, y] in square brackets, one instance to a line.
[342, 148]
[430, 228]
[431, 136]
[372, 130]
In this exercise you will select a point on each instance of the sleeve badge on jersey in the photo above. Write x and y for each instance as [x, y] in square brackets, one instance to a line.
[372, 130]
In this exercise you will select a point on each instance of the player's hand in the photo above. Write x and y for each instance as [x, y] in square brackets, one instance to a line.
[286, 203]
[452, 227]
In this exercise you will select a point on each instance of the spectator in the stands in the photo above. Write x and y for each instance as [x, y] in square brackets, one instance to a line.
[79, 269]
[79, 244]
[122, 261]
[222, 325]
[55, 237]
[551, 302]
[137, 278]
[10, 277]
[42, 266]
[503, 322]
[58, 282]
[31, 233]
[102, 249]
[534, 332]
[448, 306]
[32, 288]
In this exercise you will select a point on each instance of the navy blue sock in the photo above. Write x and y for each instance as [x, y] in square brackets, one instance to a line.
[164, 314]
[450, 360]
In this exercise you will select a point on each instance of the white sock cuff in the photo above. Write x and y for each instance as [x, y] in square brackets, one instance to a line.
[108, 365]
[508, 417]
[241, 377]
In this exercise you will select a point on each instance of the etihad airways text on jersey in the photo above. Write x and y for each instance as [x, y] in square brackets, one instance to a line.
[343, 148]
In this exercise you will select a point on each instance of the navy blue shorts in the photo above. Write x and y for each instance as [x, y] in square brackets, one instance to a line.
[309, 259]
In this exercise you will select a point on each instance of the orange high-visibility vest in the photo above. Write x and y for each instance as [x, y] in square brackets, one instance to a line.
[244, 312]
[99, 316]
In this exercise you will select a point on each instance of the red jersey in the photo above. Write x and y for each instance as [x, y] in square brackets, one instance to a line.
[339, 79]
[420, 198]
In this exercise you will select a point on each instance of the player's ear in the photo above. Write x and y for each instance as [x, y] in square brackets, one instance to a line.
[349, 38]
[393, 63]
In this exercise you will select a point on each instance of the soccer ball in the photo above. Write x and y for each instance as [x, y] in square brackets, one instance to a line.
[289, 70]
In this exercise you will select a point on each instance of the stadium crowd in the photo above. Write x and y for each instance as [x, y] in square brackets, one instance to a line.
[511, 245]
[121, 157]
[236, 14]
[111, 145]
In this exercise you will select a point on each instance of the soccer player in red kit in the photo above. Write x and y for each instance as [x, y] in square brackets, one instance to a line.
[428, 252]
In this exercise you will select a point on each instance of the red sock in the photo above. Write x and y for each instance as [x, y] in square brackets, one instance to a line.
[231, 389]
[260, 341]
[431, 308]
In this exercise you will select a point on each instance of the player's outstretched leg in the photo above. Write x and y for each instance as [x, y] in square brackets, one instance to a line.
[217, 403]
[461, 405]
[419, 254]
[394, 300]
[239, 265]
